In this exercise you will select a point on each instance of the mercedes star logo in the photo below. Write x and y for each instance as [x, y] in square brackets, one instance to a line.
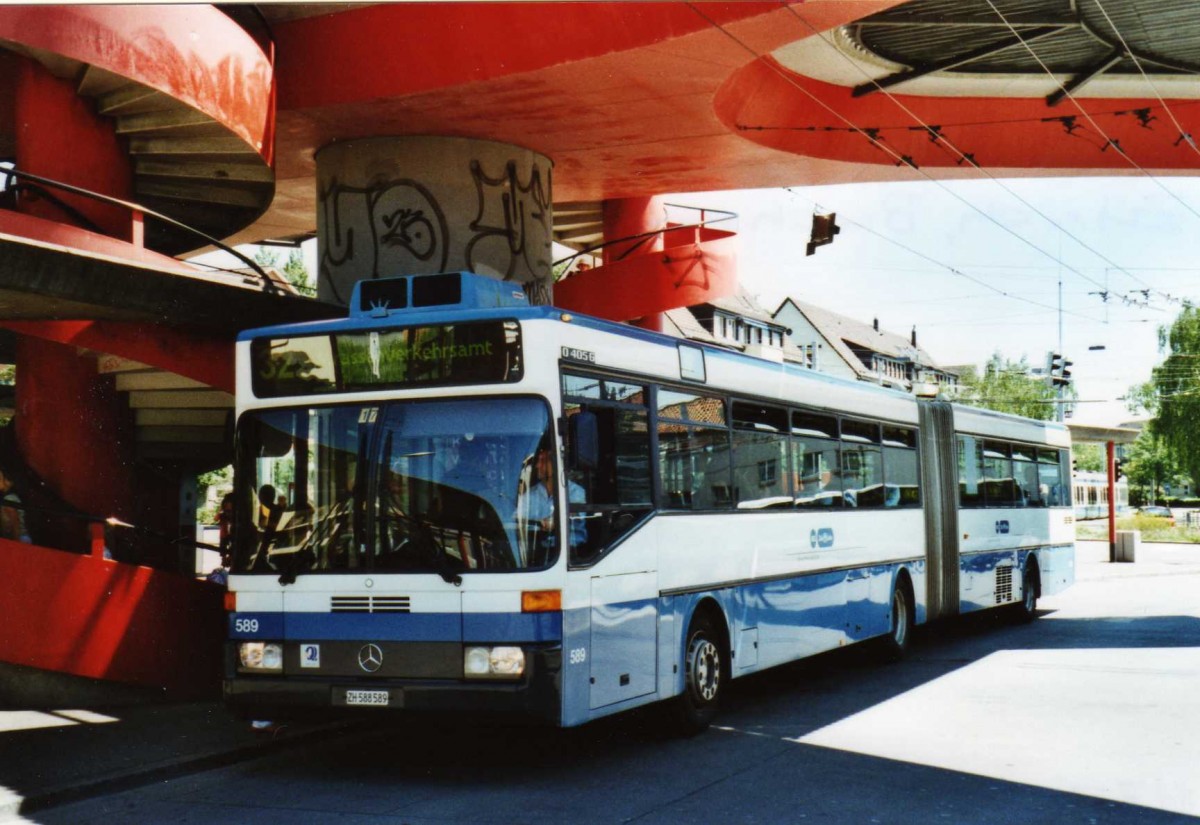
[370, 658]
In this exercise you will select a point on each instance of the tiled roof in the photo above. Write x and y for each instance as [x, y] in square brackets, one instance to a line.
[745, 305]
[682, 324]
[845, 333]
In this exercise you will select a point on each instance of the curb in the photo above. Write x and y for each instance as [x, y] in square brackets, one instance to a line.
[14, 806]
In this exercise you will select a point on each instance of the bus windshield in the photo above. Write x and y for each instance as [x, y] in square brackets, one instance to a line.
[423, 486]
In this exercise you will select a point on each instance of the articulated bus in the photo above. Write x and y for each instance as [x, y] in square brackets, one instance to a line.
[1090, 491]
[454, 500]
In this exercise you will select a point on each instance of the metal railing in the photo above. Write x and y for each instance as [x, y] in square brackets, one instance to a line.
[641, 238]
[137, 214]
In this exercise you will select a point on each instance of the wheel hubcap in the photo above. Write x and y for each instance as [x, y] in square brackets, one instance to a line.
[706, 669]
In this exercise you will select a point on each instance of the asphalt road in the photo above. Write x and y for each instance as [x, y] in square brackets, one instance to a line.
[1090, 714]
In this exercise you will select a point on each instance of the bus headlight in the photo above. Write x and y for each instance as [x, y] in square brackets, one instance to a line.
[263, 657]
[493, 662]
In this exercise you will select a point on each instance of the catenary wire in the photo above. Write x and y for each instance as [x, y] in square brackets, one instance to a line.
[955, 270]
[1087, 116]
[940, 138]
[900, 159]
[1138, 63]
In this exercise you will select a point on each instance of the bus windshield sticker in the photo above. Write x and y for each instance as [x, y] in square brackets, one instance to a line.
[481, 352]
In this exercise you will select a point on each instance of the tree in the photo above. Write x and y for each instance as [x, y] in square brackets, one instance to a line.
[297, 272]
[293, 269]
[1007, 386]
[1089, 457]
[1149, 464]
[219, 478]
[1172, 395]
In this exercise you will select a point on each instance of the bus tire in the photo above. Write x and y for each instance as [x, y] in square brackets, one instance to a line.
[1026, 609]
[703, 677]
[899, 636]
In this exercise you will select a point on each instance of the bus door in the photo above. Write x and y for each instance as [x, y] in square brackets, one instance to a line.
[609, 496]
[624, 637]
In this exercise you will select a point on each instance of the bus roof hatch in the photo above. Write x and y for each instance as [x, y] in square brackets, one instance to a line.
[416, 293]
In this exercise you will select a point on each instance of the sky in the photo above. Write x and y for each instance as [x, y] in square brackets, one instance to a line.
[938, 257]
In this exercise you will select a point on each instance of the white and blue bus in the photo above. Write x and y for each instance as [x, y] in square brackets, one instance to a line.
[454, 500]
[1090, 490]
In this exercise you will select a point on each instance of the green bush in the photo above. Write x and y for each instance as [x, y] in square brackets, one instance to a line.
[1152, 528]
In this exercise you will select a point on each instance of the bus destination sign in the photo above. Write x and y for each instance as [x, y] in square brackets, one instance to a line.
[480, 352]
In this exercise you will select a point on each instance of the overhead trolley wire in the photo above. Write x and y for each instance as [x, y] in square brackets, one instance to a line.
[939, 138]
[903, 160]
[1109, 141]
[1184, 136]
[954, 270]
[965, 124]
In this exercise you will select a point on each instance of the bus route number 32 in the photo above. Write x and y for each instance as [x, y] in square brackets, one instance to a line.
[245, 625]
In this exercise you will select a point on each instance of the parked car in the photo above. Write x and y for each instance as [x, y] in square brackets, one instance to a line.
[1158, 512]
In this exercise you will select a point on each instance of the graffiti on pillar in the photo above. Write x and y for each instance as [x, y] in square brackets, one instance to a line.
[512, 224]
[391, 228]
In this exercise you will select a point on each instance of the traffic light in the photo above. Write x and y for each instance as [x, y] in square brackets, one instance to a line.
[1117, 471]
[824, 227]
[1058, 373]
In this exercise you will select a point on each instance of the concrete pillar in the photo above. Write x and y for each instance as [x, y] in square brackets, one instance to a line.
[627, 218]
[393, 206]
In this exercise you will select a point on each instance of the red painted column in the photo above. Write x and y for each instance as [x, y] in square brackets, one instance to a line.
[1110, 471]
[59, 137]
[73, 430]
[629, 217]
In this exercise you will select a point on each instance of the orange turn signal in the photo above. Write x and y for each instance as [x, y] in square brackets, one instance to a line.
[541, 601]
[230, 602]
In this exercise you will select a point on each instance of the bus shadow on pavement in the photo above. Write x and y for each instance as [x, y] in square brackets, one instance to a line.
[842, 682]
[767, 757]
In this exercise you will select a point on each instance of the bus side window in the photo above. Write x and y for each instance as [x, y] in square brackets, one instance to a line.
[900, 471]
[760, 457]
[970, 471]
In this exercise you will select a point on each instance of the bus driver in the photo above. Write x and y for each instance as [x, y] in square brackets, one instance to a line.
[535, 508]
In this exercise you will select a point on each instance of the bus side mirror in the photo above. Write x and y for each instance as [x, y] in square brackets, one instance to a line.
[583, 435]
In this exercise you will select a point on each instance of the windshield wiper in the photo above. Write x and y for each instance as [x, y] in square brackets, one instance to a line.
[441, 559]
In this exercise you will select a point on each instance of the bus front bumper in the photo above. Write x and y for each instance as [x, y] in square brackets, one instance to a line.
[536, 696]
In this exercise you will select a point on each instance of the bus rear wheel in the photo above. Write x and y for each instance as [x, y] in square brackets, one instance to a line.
[1026, 609]
[703, 678]
[896, 643]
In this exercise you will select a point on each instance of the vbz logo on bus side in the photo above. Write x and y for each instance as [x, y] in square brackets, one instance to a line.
[1002, 527]
[821, 538]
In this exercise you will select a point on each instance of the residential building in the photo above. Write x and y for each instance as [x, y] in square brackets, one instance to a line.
[844, 346]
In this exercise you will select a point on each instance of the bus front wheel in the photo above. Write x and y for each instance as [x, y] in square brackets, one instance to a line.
[703, 677]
